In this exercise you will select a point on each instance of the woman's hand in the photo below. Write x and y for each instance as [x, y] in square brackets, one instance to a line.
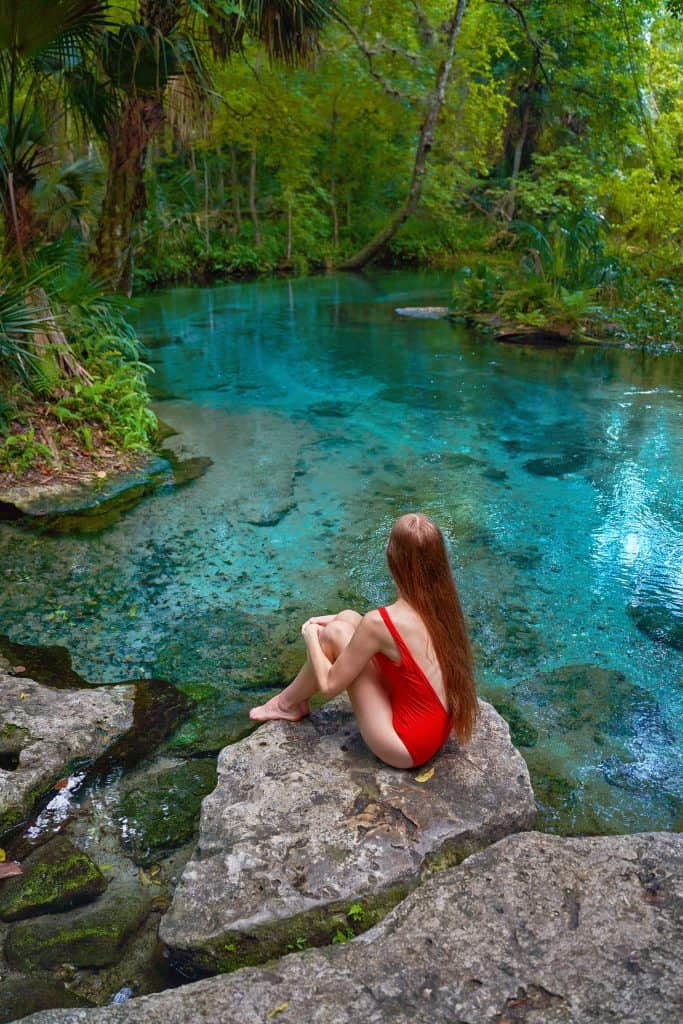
[311, 629]
[320, 620]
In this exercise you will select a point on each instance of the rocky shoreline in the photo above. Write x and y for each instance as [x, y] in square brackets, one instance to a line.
[535, 928]
[424, 891]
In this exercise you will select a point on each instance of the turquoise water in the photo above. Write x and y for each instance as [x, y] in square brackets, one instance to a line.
[554, 474]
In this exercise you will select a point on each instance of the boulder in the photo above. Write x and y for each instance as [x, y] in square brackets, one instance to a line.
[305, 822]
[44, 730]
[536, 928]
[90, 936]
[661, 622]
[56, 876]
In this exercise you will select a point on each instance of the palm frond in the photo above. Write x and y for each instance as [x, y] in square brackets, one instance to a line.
[289, 29]
[49, 27]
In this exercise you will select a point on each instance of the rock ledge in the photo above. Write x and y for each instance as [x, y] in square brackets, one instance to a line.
[535, 929]
[305, 821]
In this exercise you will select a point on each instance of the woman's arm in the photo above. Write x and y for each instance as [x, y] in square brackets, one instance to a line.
[334, 678]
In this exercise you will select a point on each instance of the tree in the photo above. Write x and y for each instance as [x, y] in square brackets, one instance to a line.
[43, 49]
[425, 142]
[170, 38]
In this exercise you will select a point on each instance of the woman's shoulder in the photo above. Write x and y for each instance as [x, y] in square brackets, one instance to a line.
[373, 619]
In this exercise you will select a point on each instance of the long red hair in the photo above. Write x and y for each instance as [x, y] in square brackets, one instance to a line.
[418, 562]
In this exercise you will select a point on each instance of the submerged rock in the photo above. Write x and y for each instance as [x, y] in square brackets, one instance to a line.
[160, 811]
[535, 928]
[21, 995]
[305, 822]
[56, 876]
[90, 936]
[587, 732]
[659, 622]
[54, 728]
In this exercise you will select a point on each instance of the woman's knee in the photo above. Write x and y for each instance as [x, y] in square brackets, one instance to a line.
[335, 636]
[348, 615]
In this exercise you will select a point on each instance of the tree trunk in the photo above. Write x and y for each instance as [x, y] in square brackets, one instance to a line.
[335, 214]
[252, 200]
[510, 202]
[425, 143]
[125, 197]
[289, 230]
[129, 136]
[19, 219]
[207, 239]
[234, 188]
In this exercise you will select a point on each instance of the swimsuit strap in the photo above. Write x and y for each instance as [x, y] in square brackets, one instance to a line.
[400, 642]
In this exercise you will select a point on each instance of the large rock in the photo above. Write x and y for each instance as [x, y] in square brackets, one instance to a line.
[42, 731]
[306, 821]
[65, 507]
[535, 929]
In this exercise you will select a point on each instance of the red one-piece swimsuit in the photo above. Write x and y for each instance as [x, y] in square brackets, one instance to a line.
[420, 719]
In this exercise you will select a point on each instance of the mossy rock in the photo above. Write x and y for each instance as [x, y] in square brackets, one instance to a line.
[162, 812]
[90, 936]
[22, 994]
[57, 876]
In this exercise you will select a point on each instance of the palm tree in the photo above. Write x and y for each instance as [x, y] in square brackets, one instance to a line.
[44, 51]
[168, 39]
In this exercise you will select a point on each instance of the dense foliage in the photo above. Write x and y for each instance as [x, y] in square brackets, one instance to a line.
[168, 140]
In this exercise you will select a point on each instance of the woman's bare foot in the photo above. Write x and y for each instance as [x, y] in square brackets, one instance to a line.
[273, 709]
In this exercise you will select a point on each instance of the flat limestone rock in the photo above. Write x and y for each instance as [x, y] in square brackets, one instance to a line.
[305, 822]
[424, 312]
[65, 507]
[42, 730]
[535, 929]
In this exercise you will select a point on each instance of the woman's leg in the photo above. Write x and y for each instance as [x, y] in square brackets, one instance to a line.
[292, 702]
[369, 699]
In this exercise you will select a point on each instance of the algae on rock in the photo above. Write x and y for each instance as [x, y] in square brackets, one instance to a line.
[57, 876]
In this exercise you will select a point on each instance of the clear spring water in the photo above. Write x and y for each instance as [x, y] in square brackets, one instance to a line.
[555, 474]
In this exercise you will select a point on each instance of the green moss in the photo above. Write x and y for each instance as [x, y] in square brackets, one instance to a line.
[314, 928]
[57, 876]
[449, 856]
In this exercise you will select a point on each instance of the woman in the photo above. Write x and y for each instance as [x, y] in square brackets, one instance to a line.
[407, 668]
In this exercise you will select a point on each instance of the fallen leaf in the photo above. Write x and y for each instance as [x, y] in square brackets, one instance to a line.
[146, 880]
[3, 856]
[101, 474]
[424, 776]
[19, 668]
[10, 869]
[62, 784]
[278, 1009]
[23, 696]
